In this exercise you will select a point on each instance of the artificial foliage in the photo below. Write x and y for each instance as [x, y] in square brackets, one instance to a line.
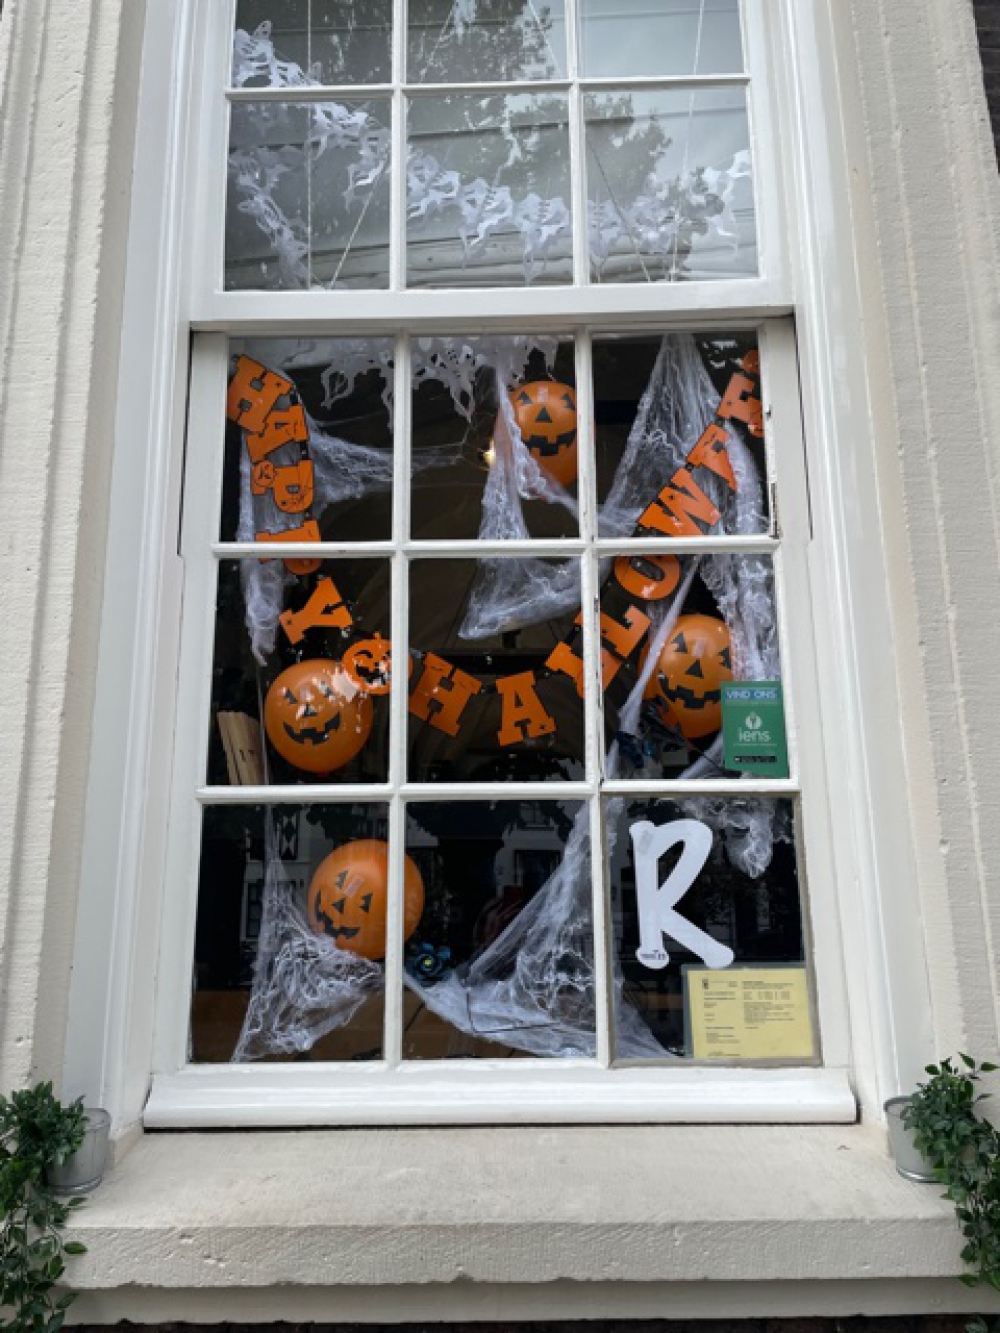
[964, 1150]
[37, 1132]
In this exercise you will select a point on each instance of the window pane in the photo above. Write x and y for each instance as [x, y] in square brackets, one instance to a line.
[298, 694]
[680, 435]
[492, 40]
[502, 960]
[668, 185]
[488, 191]
[308, 195]
[705, 893]
[309, 438]
[494, 438]
[315, 41]
[661, 37]
[486, 702]
[675, 630]
[288, 949]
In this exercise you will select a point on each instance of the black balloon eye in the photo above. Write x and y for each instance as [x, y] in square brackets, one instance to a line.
[289, 697]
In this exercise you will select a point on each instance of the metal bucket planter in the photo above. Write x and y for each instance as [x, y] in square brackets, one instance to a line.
[909, 1161]
[83, 1170]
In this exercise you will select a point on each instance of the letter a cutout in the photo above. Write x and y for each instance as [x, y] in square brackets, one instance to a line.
[656, 901]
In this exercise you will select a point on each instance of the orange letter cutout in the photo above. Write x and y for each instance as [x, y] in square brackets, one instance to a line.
[253, 391]
[285, 427]
[308, 532]
[293, 486]
[623, 641]
[736, 403]
[651, 577]
[711, 452]
[618, 642]
[562, 658]
[524, 714]
[680, 502]
[441, 694]
[325, 608]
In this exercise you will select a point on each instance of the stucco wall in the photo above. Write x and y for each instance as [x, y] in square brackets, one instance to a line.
[68, 80]
[926, 215]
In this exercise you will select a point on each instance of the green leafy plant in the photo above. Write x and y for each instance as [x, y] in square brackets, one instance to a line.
[37, 1132]
[964, 1150]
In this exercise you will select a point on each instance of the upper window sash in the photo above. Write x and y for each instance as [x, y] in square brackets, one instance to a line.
[212, 307]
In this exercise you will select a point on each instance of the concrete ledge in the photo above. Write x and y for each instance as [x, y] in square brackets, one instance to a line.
[467, 1302]
[509, 1207]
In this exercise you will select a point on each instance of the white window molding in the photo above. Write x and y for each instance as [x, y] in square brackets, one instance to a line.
[884, 997]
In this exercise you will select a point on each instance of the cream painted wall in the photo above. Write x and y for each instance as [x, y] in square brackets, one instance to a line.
[68, 82]
[926, 216]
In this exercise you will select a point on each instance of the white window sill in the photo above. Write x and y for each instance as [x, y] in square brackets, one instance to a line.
[196, 1219]
[504, 1091]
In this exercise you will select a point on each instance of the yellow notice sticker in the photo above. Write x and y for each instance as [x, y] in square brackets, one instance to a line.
[748, 1013]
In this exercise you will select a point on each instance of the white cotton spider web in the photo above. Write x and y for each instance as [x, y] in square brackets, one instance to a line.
[304, 986]
[694, 207]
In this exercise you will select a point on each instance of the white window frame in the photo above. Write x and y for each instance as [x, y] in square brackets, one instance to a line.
[141, 923]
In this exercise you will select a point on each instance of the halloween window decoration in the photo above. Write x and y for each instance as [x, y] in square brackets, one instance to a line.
[488, 708]
[334, 41]
[512, 469]
[269, 978]
[317, 703]
[485, 41]
[487, 180]
[497, 894]
[754, 914]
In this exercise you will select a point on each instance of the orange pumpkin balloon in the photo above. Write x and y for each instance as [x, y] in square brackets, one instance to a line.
[687, 680]
[316, 717]
[545, 412]
[348, 896]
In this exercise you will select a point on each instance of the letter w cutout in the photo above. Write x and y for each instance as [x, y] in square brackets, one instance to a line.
[657, 901]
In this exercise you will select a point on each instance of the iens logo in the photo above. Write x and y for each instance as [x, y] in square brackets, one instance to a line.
[752, 732]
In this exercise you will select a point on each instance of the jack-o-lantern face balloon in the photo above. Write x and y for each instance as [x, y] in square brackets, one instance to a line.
[545, 412]
[316, 717]
[687, 680]
[349, 892]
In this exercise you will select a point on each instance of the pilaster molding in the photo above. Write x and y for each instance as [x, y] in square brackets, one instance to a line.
[933, 331]
[69, 74]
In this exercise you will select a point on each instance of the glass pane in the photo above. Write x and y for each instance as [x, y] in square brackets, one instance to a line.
[308, 201]
[280, 43]
[669, 185]
[680, 435]
[488, 702]
[661, 37]
[298, 693]
[488, 191]
[490, 41]
[288, 951]
[705, 898]
[494, 438]
[502, 960]
[309, 439]
[675, 630]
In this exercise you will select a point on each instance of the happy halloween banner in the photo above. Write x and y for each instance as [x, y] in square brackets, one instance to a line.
[266, 407]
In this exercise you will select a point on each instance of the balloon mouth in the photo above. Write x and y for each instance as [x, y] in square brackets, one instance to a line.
[313, 735]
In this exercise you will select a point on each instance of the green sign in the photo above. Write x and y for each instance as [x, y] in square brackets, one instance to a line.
[753, 728]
